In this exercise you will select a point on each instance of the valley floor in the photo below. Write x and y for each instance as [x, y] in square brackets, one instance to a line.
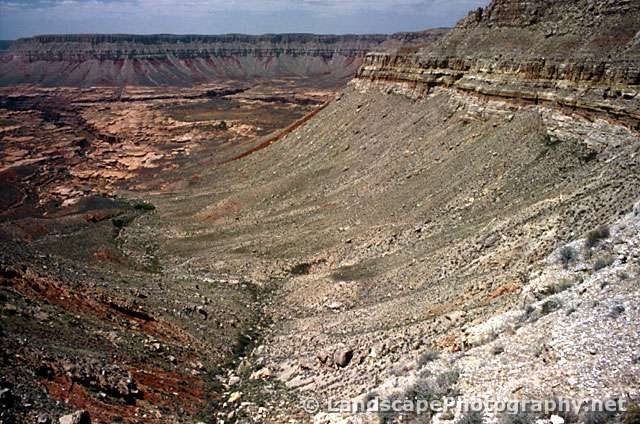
[384, 247]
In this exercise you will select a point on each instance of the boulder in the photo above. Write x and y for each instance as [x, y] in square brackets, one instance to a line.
[342, 357]
[78, 417]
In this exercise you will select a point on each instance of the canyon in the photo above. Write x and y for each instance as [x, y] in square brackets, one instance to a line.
[252, 229]
[169, 60]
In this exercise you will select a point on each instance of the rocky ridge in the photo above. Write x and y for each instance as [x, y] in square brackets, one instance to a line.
[435, 243]
[179, 60]
[579, 55]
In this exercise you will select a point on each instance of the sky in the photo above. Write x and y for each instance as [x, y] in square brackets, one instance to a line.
[23, 18]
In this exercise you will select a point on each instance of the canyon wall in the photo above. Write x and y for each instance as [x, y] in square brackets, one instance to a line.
[582, 55]
[183, 60]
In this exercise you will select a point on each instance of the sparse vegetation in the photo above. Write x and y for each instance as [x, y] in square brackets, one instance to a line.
[598, 417]
[497, 349]
[558, 287]
[603, 262]
[567, 255]
[143, 206]
[426, 389]
[616, 311]
[564, 410]
[623, 275]
[472, 417]
[436, 236]
[528, 310]
[550, 142]
[594, 237]
[632, 416]
[355, 272]
[521, 417]
[446, 381]
[428, 356]
[122, 221]
[550, 306]
[300, 269]
[528, 315]
[524, 277]
[400, 370]
[387, 417]
[538, 350]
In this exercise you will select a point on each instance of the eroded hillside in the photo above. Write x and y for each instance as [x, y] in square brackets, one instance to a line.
[168, 60]
[459, 221]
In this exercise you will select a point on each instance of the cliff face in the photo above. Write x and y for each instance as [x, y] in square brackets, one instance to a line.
[86, 60]
[581, 54]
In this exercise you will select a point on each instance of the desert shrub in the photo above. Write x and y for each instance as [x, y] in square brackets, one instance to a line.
[567, 255]
[550, 142]
[598, 417]
[143, 206]
[564, 410]
[616, 311]
[428, 356]
[594, 237]
[558, 287]
[521, 417]
[426, 388]
[122, 221]
[422, 390]
[524, 277]
[538, 350]
[528, 315]
[472, 417]
[603, 262]
[632, 416]
[300, 269]
[399, 370]
[446, 381]
[493, 335]
[386, 417]
[550, 306]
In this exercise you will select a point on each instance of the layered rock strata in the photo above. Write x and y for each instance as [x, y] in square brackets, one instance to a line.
[581, 55]
[184, 60]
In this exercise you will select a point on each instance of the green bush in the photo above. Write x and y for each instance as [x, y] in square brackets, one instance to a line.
[143, 206]
[121, 221]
